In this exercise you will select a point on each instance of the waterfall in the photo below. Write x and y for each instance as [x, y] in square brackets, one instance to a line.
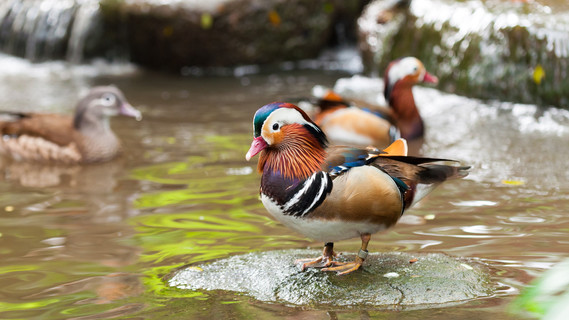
[41, 30]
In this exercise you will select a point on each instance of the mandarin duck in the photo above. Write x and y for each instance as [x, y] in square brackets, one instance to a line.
[84, 137]
[333, 193]
[374, 125]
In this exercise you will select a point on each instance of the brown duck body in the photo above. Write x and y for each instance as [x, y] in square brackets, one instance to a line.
[85, 137]
[355, 126]
[347, 211]
[365, 199]
[345, 123]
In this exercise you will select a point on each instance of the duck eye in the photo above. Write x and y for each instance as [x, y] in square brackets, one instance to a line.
[276, 126]
[108, 99]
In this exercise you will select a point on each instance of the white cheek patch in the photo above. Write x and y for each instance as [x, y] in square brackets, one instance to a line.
[403, 68]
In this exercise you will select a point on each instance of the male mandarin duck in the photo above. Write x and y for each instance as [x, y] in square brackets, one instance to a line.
[375, 125]
[83, 138]
[338, 192]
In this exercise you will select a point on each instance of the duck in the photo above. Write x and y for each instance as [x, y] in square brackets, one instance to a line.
[356, 122]
[85, 137]
[331, 193]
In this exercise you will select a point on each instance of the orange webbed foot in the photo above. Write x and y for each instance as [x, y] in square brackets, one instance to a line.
[348, 267]
[326, 260]
[345, 267]
[320, 262]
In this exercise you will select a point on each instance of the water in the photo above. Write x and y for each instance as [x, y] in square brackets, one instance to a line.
[98, 241]
[42, 30]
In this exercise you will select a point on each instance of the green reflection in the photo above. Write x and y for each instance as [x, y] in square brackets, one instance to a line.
[6, 306]
[187, 196]
[16, 268]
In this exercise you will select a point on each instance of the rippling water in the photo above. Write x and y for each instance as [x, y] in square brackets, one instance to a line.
[97, 241]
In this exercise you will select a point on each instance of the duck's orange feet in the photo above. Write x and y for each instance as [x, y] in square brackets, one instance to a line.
[320, 262]
[347, 267]
[344, 267]
[326, 260]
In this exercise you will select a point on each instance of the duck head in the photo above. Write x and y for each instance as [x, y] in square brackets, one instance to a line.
[293, 145]
[400, 77]
[404, 73]
[99, 104]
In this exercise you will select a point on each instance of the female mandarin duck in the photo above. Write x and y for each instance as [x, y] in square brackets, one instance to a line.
[85, 137]
[336, 193]
[377, 126]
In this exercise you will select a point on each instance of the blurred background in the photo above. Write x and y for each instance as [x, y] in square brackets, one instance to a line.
[100, 241]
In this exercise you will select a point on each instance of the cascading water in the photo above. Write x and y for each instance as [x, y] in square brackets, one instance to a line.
[41, 30]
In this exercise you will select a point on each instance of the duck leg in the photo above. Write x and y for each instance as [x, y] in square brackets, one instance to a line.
[325, 260]
[347, 267]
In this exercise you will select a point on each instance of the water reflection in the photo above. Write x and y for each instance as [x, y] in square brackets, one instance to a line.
[34, 175]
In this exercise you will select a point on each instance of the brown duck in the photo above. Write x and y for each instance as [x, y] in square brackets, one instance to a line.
[85, 137]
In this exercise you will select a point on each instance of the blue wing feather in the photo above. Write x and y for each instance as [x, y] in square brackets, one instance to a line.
[352, 158]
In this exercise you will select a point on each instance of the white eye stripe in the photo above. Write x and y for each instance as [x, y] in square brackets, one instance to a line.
[285, 116]
[403, 68]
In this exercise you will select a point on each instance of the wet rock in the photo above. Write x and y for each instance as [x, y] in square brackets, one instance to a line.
[172, 34]
[176, 34]
[516, 51]
[387, 279]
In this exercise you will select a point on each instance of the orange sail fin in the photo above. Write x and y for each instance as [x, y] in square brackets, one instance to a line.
[397, 148]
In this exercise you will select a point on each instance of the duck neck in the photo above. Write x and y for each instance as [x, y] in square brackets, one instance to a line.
[97, 141]
[90, 123]
[286, 169]
[406, 114]
[297, 156]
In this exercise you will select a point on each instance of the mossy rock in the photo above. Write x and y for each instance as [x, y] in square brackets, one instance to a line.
[223, 33]
[513, 51]
[386, 280]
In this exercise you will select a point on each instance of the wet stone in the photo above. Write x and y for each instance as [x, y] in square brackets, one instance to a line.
[387, 279]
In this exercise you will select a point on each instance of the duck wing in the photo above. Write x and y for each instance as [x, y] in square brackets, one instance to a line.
[55, 128]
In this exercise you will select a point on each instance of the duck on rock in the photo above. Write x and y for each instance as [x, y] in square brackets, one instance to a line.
[374, 125]
[85, 137]
[338, 192]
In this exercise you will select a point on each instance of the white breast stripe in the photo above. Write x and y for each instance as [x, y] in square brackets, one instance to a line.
[307, 193]
[300, 193]
[323, 186]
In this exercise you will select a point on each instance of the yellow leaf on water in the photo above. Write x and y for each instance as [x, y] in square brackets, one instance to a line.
[198, 269]
[513, 182]
[274, 18]
[206, 20]
[538, 74]
[9, 208]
